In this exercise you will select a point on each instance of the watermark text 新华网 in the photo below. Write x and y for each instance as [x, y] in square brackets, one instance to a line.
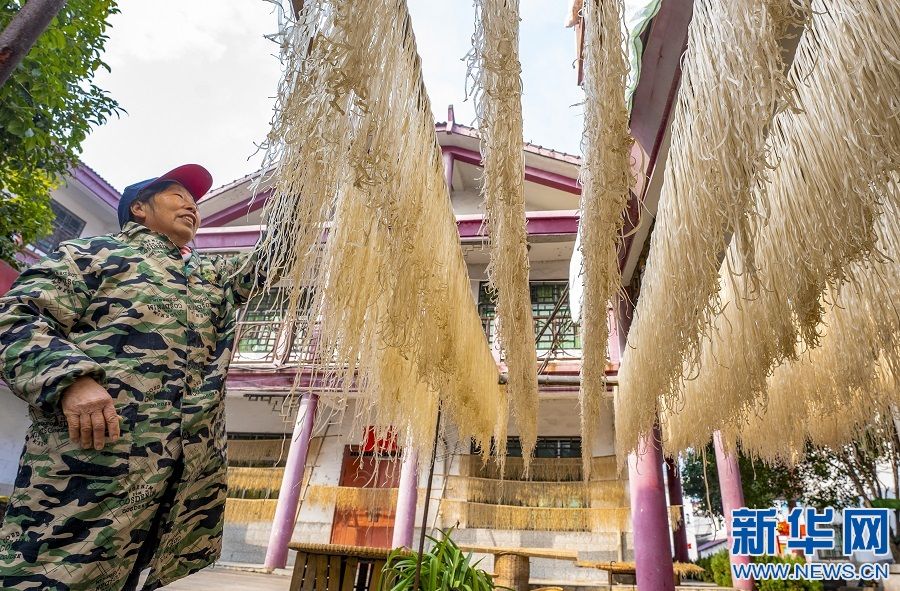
[864, 529]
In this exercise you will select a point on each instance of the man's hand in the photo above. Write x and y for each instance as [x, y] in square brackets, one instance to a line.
[90, 412]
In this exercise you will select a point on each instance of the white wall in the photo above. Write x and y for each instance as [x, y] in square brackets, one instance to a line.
[245, 416]
[99, 218]
[14, 422]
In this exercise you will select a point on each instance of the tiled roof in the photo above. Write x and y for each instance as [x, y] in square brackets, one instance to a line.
[467, 131]
[81, 164]
[440, 126]
[235, 183]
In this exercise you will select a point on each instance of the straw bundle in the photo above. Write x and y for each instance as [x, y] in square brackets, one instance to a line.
[495, 69]
[350, 497]
[832, 165]
[540, 494]
[732, 84]
[249, 510]
[606, 180]
[360, 212]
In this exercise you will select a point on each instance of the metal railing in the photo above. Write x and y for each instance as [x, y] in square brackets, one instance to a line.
[270, 343]
[275, 343]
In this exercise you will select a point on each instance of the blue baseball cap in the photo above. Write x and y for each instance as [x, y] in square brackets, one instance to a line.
[192, 177]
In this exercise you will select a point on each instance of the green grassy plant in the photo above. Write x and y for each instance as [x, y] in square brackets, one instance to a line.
[444, 568]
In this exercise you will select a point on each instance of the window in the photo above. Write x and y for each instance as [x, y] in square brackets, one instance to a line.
[546, 447]
[66, 226]
[262, 335]
[544, 297]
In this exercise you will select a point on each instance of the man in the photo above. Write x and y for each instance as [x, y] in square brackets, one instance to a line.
[120, 346]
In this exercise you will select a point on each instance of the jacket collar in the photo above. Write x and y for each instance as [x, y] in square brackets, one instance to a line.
[136, 233]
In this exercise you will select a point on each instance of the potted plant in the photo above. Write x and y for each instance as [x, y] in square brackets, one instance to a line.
[444, 568]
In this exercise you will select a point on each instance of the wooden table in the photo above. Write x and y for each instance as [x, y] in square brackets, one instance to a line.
[627, 569]
[512, 566]
[333, 567]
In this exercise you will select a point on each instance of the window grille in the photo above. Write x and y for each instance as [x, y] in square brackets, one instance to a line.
[544, 297]
[66, 226]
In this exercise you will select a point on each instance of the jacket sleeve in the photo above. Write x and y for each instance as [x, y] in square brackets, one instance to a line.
[241, 276]
[37, 359]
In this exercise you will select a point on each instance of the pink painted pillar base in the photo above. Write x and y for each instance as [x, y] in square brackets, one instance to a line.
[291, 483]
[407, 496]
[732, 498]
[650, 517]
[676, 498]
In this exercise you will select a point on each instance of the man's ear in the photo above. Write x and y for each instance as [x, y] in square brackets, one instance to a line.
[139, 210]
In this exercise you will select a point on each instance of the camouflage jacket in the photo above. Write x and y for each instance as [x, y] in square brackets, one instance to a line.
[157, 333]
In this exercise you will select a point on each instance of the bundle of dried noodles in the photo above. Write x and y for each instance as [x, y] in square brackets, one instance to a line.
[268, 479]
[543, 469]
[495, 69]
[609, 493]
[479, 515]
[733, 82]
[360, 217]
[606, 180]
[832, 394]
[352, 497]
[250, 510]
[833, 164]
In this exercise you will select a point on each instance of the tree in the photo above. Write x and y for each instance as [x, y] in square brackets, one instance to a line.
[838, 478]
[47, 108]
[763, 484]
[17, 38]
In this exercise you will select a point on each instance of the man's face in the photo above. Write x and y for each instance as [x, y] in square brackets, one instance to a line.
[172, 212]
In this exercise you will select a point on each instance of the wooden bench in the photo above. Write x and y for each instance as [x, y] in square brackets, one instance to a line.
[332, 567]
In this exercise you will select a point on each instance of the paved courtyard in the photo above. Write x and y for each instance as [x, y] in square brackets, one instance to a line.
[226, 579]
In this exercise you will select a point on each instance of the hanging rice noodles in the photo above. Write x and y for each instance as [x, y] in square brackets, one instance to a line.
[831, 394]
[257, 479]
[610, 493]
[250, 510]
[732, 84]
[361, 226]
[832, 164]
[542, 469]
[353, 497]
[606, 180]
[496, 72]
[479, 515]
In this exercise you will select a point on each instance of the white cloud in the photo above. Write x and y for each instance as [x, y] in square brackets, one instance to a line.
[197, 77]
[167, 30]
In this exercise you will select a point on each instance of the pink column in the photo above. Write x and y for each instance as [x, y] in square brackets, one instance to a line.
[448, 171]
[404, 521]
[291, 483]
[732, 498]
[676, 497]
[650, 517]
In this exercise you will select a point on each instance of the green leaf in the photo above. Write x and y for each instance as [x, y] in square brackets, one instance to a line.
[47, 108]
[886, 504]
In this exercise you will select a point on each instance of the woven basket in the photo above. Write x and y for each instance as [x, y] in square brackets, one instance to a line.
[512, 570]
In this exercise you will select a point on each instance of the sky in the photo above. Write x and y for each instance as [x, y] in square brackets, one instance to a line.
[196, 79]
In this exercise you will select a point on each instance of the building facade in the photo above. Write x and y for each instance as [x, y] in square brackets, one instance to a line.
[350, 486]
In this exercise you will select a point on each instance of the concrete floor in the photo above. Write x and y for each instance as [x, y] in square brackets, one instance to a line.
[226, 579]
